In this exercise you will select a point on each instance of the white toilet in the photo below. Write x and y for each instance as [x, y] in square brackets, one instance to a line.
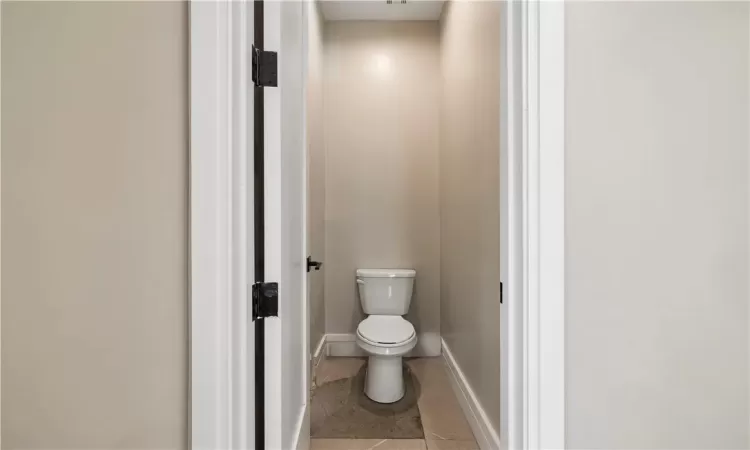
[385, 335]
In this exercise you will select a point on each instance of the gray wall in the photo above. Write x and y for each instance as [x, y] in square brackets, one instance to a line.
[381, 124]
[94, 208]
[657, 225]
[469, 194]
[316, 172]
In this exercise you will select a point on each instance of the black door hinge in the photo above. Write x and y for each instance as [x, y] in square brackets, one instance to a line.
[501, 292]
[265, 300]
[265, 68]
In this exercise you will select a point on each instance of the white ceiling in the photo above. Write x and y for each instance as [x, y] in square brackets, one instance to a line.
[381, 10]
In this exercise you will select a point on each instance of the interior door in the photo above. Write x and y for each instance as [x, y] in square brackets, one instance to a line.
[281, 356]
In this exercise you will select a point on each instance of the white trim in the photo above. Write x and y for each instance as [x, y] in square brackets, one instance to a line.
[319, 348]
[480, 423]
[345, 345]
[319, 352]
[552, 225]
[341, 344]
[221, 341]
[532, 232]
[544, 214]
[317, 358]
[301, 440]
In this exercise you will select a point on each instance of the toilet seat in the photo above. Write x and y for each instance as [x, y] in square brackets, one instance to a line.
[386, 331]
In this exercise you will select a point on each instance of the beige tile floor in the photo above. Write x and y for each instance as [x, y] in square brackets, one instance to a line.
[445, 426]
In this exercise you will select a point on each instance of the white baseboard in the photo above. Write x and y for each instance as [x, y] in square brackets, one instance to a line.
[484, 431]
[302, 439]
[340, 344]
[316, 358]
[319, 352]
[428, 344]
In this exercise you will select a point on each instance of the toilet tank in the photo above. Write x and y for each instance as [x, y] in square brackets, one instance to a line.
[385, 292]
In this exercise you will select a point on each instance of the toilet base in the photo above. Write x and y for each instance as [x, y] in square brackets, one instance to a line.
[384, 382]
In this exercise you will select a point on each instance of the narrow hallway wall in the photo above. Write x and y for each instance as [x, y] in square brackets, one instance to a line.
[469, 194]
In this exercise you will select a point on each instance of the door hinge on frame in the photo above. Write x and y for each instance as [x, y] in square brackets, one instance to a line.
[265, 300]
[265, 68]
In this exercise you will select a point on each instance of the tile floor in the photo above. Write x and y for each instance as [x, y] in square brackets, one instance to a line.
[445, 427]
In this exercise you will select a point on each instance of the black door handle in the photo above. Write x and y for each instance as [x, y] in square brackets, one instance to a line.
[311, 264]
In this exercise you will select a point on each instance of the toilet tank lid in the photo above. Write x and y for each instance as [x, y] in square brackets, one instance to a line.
[386, 273]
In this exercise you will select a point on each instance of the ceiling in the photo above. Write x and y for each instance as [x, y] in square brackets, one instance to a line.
[381, 10]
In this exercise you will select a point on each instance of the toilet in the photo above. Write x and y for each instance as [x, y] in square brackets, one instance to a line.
[385, 335]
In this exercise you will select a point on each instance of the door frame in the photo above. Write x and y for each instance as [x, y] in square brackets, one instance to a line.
[546, 215]
[532, 394]
[221, 265]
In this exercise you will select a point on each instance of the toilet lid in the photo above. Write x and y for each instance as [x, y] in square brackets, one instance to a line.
[386, 329]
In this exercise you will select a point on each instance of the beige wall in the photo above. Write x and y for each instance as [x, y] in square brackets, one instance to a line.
[469, 194]
[94, 207]
[657, 225]
[316, 171]
[381, 125]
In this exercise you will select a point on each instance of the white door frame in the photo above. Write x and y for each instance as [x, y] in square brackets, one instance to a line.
[221, 332]
[544, 213]
[221, 339]
[533, 266]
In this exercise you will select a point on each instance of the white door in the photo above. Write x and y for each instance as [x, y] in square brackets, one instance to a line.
[285, 355]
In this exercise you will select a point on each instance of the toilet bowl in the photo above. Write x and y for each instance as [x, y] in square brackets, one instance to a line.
[384, 334]
[385, 339]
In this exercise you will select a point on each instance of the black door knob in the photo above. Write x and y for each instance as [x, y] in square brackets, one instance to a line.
[313, 264]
